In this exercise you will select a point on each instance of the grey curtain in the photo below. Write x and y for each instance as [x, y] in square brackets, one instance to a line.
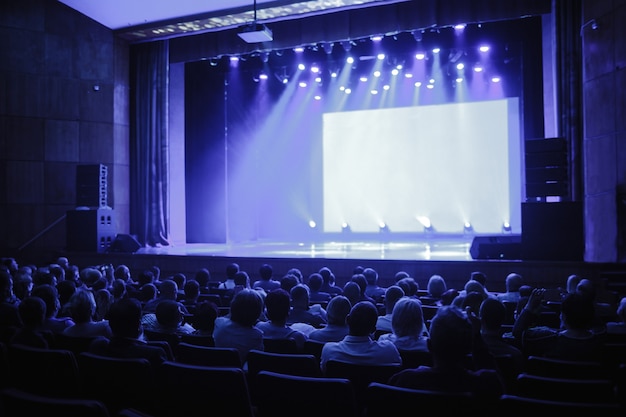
[149, 143]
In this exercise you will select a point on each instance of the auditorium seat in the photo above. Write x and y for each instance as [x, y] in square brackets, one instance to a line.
[207, 355]
[18, 403]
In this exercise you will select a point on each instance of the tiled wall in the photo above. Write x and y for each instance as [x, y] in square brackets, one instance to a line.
[604, 149]
[63, 102]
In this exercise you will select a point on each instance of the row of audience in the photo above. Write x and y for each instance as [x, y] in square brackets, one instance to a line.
[360, 322]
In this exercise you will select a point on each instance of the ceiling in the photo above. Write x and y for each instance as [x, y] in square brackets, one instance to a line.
[151, 19]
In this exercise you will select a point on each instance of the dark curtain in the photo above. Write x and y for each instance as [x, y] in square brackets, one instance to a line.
[149, 143]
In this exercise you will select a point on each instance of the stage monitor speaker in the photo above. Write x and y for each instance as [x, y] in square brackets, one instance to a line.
[124, 243]
[496, 247]
[553, 231]
[91, 186]
[90, 230]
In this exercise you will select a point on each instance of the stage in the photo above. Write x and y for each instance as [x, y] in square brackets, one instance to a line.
[447, 256]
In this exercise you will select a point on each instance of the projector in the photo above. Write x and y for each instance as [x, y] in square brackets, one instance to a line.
[255, 33]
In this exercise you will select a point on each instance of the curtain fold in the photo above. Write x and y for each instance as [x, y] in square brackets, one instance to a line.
[149, 143]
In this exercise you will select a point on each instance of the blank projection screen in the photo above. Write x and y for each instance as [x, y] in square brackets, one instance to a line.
[451, 163]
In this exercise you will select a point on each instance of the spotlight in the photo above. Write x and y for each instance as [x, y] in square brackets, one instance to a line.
[383, 228]
[467, 227]
[346, 45]
[265, 56]
[506, 227]
[345, 228]
[425, 221]
[312, 224]
[418, 35]
[328, 47]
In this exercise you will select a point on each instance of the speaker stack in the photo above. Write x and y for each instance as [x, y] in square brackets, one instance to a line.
[91, 227]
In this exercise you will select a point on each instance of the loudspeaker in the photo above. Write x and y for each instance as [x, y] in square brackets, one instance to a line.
[91, 186]
[496, 247]
[124, 243]
[90, 230]
[553, 231]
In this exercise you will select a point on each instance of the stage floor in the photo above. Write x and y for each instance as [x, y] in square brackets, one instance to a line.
[442, 249]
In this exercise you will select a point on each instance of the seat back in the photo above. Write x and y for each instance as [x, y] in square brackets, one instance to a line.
[130, 380]
[171, 338]
[565, 389]
[51, 372]
[208, 356]
[313, 347]
[195, 339]
[18, 403]
[194, 391]
[388, 400]
[290, 395]
[280, 345]
[516, 406]
[75, 344]
[558, 368]
[415, 358]
[361, 375]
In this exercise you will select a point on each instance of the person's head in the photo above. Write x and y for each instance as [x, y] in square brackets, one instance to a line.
[231, 270]
[246, 307]
[479, 276]
[572, 282]
[297, 273]
[204, 316]
[436, 286]
[145, 277]
[118, 288]
[169, 314]
[585, 286]
[399, 275]
[513, 282]
[23, 285]
[66, 289]
[89, 276]
[371, 276]
[315, 282]
[358, 270]
[407, 318]
[168, 289]
[326, 273]
[242, 279]
[492, 314]
[361, 282]
[192, 290]
[203, 276]
[392, 294]
[103, 300]
[474, 286]
[50, 295]
[277, 305]
[337, 310]
[352, 291]
[362, 319]
[450, 335]
[409, 286]
[448, 296]
[125, 317]
[6, 285]
[577, 311]
[288, 281]
[148, 292]
[122, 272]
[265, 272]
[82, 306]
[300, 296]
[32, 311]
[180, 279]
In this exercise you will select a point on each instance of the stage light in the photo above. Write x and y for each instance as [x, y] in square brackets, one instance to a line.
[301, 67]
[460, 66]
[377, 73]
[483, 48]
[328, 47]
[350, 60]
[506, 227]
[345, 228]
[383, 228]
[425, 221]
[376, 38]
[418, 35]
[346, 45]
[265, 56]
[380, 57]
[468, 228]
[312, 224]
[420, 55]
[436, 50]
[298, 49]
[495, 79]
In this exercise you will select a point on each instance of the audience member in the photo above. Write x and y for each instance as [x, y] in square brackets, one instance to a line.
[118, 289]
[603, 312]
[451, 340]
[362, 283]
[204, 318]
[337, 328]
[297, 273]
[435, 289]
[203, 276]
[168, 318]
[288, 281]
[407, 325]
[449, 296]
[358, 346]
[574, 340]
[330, 285]
[126, 332]
[50, 297]
[619, 325]
[229, 282]
[242, 281]
[512, 283]
[373, 290]
[9, 314]
[104, 299]
[32, 311]
[168, 290]
[302, 311]
[147, 293]
[316, 295]
[181, 280]
[352, 291]
[399, 275]
[277, 306]
[392, 295]
[191, 294]
[266, 279]
[409, 286]
[492, 314]
[82, 308]
[237, 329]
[22, 284]
[66, 290]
